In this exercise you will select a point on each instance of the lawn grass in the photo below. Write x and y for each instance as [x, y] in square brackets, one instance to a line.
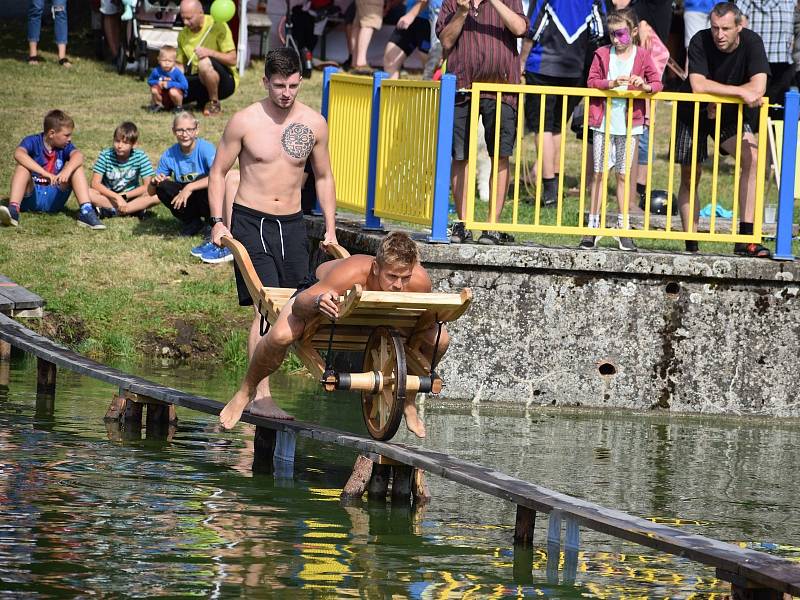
[133, 288]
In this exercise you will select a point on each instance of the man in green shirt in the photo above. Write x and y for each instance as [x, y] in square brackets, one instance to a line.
[207, 55]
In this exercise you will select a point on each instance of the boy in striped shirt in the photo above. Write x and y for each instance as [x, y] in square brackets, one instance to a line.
[121, 175]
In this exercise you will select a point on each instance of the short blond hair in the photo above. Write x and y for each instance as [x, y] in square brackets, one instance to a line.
[397, 248]
[168, 52]
[184, 114]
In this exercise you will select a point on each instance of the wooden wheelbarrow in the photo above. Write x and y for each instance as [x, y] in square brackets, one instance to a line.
[385, 326]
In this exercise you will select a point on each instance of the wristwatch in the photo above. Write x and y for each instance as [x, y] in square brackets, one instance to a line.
[215, 220]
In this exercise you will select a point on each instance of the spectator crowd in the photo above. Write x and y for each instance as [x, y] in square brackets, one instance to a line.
[745, 49]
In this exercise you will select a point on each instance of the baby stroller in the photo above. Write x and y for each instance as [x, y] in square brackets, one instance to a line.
[150, 26]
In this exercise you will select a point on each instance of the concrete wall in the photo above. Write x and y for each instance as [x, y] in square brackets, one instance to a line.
[606, 328]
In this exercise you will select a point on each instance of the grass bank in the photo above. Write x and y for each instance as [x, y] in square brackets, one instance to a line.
[132, 289]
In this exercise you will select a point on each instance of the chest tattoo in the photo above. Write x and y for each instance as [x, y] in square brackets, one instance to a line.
[297, 140]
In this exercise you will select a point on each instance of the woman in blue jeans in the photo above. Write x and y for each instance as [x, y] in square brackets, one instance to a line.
[35, 10]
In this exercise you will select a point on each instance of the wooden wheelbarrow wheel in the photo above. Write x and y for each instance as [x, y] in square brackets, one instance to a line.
[383, 410]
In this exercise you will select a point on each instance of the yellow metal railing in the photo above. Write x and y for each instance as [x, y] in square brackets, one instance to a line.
[348, 131]
[406, 165]
[569, 216]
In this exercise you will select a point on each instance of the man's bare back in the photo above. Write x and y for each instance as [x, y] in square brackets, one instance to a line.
[334, 279]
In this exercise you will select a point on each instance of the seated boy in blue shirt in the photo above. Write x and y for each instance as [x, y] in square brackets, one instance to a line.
[167, 82]
[49, 167]
[121, 175]
[181, 179]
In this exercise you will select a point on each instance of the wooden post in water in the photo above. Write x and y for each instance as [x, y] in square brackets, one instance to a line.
[571, 545]
[5, 351]
[359, 479]
[379, 482]
[401, 483]
[522, 570]
[419, 488]
[374, 473]
[45, 379]
[264, 450]
[743, 589]
[161, 421]
[5, 371]
[523, 528]
[553, 546]
[523, 545]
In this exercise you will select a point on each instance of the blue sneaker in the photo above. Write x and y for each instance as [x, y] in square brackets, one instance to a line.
[198, 251]
[89, 219]
[217, 255]
[9, 216]
[107, 213]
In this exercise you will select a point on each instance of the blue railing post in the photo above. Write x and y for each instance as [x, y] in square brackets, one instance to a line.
[325, 108]
[371, 222]
[783, 235]
[444, 147]
[326, 89]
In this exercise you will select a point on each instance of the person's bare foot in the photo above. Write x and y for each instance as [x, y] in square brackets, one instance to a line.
[413, 422]
[266, 407]
[233, 410]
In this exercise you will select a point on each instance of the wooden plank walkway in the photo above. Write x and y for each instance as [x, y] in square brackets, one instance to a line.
[17, 301]
[745, 568]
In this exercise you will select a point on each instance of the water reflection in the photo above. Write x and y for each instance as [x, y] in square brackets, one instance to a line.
[91, 510]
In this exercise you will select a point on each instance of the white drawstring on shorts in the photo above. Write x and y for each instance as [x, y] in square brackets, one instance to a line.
[261, 235]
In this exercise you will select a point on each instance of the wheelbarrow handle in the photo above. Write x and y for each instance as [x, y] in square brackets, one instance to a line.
[334, 250]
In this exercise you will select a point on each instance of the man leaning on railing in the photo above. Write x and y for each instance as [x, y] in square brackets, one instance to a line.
[479, 39]
[727, 60]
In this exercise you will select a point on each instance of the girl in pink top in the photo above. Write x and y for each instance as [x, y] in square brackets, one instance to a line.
[622, 66]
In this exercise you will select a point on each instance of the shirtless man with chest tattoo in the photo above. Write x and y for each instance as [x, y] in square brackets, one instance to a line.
[272, 139]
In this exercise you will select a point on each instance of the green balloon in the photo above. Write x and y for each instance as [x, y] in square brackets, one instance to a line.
[223, 10]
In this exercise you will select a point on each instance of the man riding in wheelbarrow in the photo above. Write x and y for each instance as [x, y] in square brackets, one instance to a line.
[394, 268]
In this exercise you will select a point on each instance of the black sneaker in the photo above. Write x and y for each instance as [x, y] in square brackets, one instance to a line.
[626, 243]
[459, 234]
[107, 213]
[692, 246]
[588, 242]
[549, 199]
[192, 228]
[507, 238]
[490, 238]
[752, 250]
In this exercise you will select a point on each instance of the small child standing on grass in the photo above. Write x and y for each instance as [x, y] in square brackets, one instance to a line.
[167, 82]
[621, 66]
[121, 175]
[49, 167]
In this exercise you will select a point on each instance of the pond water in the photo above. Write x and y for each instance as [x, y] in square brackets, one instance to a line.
[85, 513]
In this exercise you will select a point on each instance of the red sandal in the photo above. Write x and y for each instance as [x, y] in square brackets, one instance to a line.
[753, 250]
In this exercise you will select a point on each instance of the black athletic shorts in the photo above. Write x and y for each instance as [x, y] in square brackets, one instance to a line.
[418, 35]
[487, 108]
[277, 245]
[198, 92]
[553, 104]
[308, 281]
